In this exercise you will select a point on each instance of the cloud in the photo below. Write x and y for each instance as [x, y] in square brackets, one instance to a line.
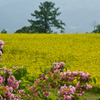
[76, 14]
[74, 28]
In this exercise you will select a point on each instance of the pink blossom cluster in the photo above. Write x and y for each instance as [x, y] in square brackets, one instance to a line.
[1, 48]
[58, 66]
[82, 85]
[8, 84]
[1, 44]
[70, 76]
[54, 78]
[66, 92]
[46, 94]
[69, 92]
[13, 83]
[81, 88]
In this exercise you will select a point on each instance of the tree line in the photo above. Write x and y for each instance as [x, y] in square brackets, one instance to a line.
[45, 19]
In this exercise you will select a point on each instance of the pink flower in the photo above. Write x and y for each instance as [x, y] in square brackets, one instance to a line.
[69, 72]
[1, 79]
[10, 89]
[9, 96]
[82, 73]
[35, 94]
[5, 70]
[86, 75]
[9, 72]
[56, 85]
[60, 99]
[63, 87]
[3, 99]
[80, 94]
[1, 47]
[62, 64]
[0, 53]
[20, 91]
[72, 88]
[56, 67]
[1, 42]
[17, 97]
[12, 95]
[88, 86]
[67, 97]
[55, 63]
[15, 67]
[78, 84]
[28, 85]
[10, 81]
[15, 85]
[71, 78]
[19, 81]
[63, 77]
[66, 93]
[38, 80]
[46, 94]
[75, 73]
[12, 78]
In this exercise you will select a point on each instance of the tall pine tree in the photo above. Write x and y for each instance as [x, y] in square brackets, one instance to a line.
[46, 18]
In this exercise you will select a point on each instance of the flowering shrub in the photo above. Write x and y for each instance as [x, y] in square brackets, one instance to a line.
[8, 84]
[52, 78]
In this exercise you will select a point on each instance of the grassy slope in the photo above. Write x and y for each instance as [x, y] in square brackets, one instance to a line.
[91, 96]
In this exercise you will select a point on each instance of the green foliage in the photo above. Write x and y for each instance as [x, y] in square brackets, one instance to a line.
[25, 77]
[97, 30]
[94, 79]
[3, 31]
[2, 92]
[46, 18]
[20, 72]
[25, 29]
[2, 65]
[67, 66]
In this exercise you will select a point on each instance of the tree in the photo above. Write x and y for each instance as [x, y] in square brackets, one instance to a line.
[3, 31]
[97, 29]
[25, 29]
[46, 18]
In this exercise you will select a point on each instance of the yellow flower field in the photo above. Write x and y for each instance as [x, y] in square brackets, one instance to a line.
[80, 51]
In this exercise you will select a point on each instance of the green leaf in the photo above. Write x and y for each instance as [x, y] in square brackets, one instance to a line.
[19, 73]
[94, 79]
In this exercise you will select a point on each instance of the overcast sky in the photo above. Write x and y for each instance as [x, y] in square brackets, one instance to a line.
[78, 15]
